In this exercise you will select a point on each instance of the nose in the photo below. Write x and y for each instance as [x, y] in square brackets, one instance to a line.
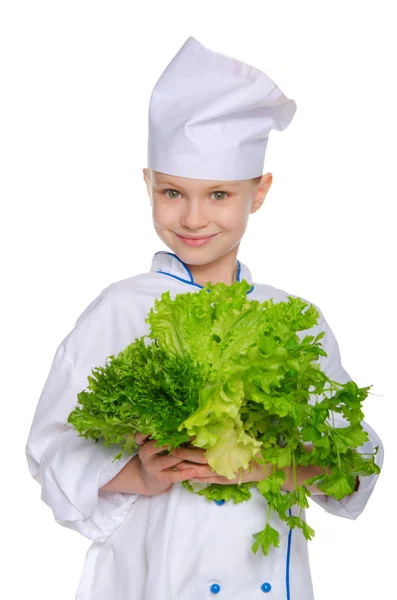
[193, 215]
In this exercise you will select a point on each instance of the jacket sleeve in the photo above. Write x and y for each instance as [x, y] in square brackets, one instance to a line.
[69, 468]
[350, 506]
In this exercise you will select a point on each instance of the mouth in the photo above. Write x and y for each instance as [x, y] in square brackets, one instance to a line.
[196, 241]
[196, 237]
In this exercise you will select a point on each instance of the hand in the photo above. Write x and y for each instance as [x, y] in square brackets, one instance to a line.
[158, 472]
[206, 474]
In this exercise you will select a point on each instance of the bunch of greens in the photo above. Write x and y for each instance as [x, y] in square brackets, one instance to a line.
[235, 375]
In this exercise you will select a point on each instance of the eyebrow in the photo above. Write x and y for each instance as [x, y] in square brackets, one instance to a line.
[212, 187]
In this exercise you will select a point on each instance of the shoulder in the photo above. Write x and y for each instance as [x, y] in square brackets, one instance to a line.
[142, 289]
[116, 314]
[135, 285]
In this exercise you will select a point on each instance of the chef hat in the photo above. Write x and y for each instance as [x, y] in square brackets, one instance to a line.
[210, 116]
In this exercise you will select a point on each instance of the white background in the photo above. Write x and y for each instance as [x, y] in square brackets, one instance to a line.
[76, 78]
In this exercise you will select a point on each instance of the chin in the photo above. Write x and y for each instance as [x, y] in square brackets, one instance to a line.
[198, 256]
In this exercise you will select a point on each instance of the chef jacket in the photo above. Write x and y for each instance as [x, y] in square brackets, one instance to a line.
[176, 545]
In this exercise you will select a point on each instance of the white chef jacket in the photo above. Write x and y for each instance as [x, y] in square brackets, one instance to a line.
[176, 545]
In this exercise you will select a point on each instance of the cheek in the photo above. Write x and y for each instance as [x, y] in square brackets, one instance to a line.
[236, 220]
[162, 214]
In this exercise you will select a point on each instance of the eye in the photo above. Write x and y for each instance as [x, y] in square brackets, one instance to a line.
[225, 194]
[173, 197]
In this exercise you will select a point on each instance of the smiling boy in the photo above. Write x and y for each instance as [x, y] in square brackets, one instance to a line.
[209, 120]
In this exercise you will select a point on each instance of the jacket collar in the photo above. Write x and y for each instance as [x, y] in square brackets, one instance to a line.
[170, 264]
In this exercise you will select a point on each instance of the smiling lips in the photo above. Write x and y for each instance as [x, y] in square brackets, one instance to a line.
[196, 241]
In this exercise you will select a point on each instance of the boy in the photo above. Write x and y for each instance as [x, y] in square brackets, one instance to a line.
[209, 120]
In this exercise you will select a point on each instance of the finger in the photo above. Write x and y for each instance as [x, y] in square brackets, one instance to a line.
[140, 438]
[196, 455]
[177, 476]
[201, 470]
[217, 479]
[150, 448]
[161, 463]
[182, 466]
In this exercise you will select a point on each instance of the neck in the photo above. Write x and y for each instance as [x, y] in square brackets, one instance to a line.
[222, 270]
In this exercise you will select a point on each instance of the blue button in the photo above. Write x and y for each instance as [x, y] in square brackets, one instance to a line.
[220, 502]
[215, 588]
[266, 587]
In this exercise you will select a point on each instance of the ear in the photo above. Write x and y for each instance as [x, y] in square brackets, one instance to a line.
[261, 191]
[266, 181]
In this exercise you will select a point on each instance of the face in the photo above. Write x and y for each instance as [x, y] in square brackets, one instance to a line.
[199, 207]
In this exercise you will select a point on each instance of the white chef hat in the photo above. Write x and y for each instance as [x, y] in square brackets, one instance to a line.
[210, 116]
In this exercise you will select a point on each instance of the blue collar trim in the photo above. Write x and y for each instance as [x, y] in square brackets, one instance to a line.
[190, 281]
[288, 561]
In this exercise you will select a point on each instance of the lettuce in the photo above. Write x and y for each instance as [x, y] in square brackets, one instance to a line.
[234, 374]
